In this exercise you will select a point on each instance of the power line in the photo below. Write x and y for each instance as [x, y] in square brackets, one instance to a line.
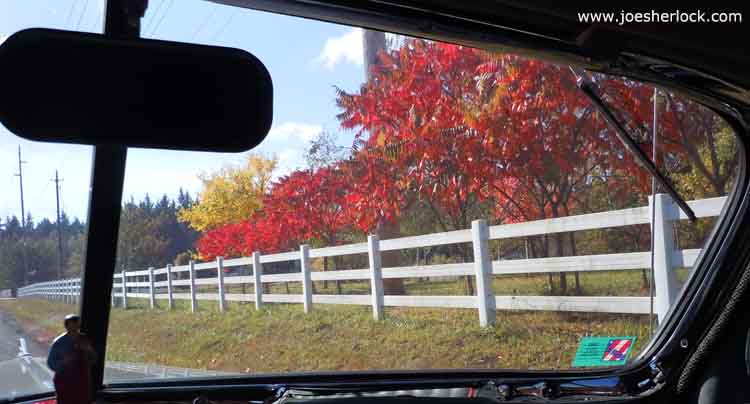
[158, 23]
[225, 26]
[151, 20]
[70, 12]
[39, 195]
[204, 23]
[83, 12]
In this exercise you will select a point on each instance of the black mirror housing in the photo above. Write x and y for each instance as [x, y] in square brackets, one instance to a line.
[70, 87]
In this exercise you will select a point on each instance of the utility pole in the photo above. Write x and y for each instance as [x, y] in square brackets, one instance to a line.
[57, 181]
[23, 220]
[373, 42]
[20, 180]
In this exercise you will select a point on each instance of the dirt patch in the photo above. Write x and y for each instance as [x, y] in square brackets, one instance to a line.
[39, 334]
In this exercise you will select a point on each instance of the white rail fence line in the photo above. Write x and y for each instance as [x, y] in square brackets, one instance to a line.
[132, 284]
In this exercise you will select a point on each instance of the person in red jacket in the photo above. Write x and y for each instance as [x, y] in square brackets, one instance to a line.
[71, 357]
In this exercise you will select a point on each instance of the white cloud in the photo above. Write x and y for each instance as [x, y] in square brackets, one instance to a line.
[292, 130]
[2, 39]
[290, 160]
[344, 48]
[289, 141]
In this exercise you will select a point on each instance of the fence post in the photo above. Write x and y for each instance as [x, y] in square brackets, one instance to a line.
[124, 289]
[480, 236]
[170, 302]
[376, 276]
[665, 280]
[220, 282]
[258, 285]
[304, 258]
[193, 305]
[151, 295]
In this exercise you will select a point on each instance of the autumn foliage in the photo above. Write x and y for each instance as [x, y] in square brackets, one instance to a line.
[464, 134]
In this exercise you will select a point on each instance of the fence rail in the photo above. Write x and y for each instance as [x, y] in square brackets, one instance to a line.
[144, 284]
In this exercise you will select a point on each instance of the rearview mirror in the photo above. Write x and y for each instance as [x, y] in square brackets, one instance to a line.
[71, 87]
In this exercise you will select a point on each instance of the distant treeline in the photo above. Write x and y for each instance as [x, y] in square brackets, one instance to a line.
[149, 234]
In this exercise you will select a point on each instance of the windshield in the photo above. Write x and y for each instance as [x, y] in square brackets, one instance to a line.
[416, 205]
[43, 216]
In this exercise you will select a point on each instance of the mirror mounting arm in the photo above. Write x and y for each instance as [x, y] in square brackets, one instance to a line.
[105, 202]
[123, 18]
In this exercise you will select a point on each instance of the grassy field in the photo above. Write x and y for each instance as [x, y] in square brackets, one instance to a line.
[603, 283]
[282, 338]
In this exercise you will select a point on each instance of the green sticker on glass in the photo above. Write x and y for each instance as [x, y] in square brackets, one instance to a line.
[603, 351]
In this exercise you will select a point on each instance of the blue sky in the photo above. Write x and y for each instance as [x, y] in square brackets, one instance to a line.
[306, 59]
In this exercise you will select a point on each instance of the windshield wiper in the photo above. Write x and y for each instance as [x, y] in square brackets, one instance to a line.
[590, 90]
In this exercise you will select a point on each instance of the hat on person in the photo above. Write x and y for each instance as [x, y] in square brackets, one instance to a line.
[71, 317]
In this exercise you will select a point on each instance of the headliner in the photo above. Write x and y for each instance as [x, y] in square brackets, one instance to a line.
[551, 30]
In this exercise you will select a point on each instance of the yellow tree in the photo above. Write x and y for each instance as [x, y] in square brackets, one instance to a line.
[231, 194]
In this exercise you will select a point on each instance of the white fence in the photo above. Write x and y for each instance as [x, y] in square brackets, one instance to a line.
[132, 284]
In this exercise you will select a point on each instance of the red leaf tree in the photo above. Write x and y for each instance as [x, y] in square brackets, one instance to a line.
[302, 206]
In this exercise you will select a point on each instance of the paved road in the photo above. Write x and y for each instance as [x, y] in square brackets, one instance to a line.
[21, 376]
[10, 332]
[30, 374]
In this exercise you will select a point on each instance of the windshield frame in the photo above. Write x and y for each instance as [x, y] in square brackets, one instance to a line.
[104, 209]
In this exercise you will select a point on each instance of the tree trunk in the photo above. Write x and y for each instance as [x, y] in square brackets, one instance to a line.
[391, 286]
[545, 253]
[645, 276]
[573, 252]
[468, 280]
[336, 266]
[526, 247]
[563, 283]
[560, 253]
[416, 264]
[373, 42]
[325, 269]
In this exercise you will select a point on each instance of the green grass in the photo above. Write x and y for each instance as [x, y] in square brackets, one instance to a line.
[603, 283]
[282, 338]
